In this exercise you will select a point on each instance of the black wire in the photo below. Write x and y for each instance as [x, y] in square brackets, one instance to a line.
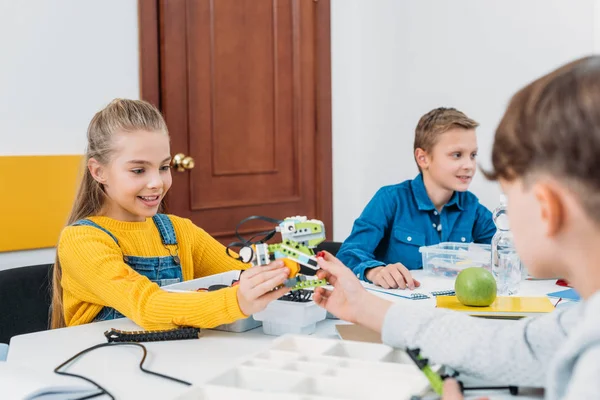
[267, 235]
[103, 390]
[243, 242]
[240, 245]
[271, 233]
[514, 390]
[102, 393]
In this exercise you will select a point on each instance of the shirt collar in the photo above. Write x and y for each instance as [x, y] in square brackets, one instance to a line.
[424, 203]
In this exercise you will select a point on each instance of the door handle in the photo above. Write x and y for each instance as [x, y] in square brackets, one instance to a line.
[181, 162]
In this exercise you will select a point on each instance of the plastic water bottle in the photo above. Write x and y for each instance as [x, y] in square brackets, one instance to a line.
[506, 264]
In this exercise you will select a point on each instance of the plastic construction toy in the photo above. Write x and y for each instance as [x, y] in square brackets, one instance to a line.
[299, 237]
[116, 335]
[436, 381]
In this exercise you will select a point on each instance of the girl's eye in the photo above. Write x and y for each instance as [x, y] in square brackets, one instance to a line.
[137, 171]
[456, 155]
[474, 155]
[165, 167]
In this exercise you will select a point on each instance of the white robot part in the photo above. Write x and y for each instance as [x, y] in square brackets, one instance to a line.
[261, 254]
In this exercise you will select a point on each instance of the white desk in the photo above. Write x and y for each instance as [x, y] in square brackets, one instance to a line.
[195, 361]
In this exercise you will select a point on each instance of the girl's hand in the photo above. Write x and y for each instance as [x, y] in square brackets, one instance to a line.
[392, 276]
[255, 289]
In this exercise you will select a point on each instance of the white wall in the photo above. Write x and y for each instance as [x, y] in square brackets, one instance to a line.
[392, 61]
[62, 61]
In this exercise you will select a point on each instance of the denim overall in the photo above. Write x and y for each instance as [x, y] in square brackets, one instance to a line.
[160, 270]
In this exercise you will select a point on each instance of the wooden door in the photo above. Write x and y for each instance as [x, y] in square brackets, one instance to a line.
[245, 87]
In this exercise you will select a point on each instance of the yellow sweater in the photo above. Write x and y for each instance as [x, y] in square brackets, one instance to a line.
[94, 275]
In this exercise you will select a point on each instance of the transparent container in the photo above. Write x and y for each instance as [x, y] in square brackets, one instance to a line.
[449, 258]
[225, 278]
[508, 272]
[281, 317]
[505, 262]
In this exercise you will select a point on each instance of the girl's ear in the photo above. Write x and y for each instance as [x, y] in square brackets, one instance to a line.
[97, 170]
[422, 158]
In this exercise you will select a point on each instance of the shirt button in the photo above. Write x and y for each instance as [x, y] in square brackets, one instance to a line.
[435, 213]
[409, 238]
[462, 239]
[358, 275]
[434, 225]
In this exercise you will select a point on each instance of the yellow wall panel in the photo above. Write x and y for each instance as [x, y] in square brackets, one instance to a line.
[36, 195]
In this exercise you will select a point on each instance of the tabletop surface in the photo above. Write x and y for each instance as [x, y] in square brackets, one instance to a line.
[194, 361]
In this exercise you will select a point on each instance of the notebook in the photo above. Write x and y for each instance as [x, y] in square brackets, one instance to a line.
[503, 307]
[569, 294]
[415, 294]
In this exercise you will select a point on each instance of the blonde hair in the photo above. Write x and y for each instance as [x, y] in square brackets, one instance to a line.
[438, 121]
[121, 115]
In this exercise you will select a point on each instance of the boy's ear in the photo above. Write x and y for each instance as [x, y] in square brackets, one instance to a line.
[551, 208]
[97, 170]
[422, 158]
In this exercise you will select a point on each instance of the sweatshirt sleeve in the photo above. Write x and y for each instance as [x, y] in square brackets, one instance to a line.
[503, 351]
[93, 271]
[209, 255]
[584, 383]
[358, 250]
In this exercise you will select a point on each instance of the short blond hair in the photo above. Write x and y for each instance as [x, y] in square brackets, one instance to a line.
[438, 121]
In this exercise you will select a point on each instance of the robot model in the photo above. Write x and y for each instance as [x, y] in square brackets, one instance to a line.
[299, 236]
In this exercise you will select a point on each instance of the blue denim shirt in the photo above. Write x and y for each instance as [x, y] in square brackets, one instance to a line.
[401, 218]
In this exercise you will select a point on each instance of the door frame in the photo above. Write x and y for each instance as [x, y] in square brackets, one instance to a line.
[150, 89]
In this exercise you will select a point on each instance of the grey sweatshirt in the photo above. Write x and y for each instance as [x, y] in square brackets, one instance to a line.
[559, 351]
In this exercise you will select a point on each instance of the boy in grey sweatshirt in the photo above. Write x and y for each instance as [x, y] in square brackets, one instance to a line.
[546, 156]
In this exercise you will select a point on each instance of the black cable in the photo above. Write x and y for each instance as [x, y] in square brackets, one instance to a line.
[267, 235]
[103, 391]
[240, 245]
[270, 234]
[514, 390]
[243, 242]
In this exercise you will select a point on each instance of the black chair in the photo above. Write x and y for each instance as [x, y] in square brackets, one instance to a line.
[24, 300]
[332, 247]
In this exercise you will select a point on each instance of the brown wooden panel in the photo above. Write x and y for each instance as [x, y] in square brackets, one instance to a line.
[174, 93]
[245, 88]
[323, 145]
[243, 93]
[149, 56]
[241, 103]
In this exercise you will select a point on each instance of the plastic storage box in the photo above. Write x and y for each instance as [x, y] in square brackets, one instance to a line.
[281, 317]
[224, 278]
[449, 258]
[309, 368]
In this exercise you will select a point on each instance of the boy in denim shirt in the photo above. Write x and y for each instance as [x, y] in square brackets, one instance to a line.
[432, 208]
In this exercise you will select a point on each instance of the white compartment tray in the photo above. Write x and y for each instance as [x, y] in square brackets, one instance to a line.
[308, 368]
